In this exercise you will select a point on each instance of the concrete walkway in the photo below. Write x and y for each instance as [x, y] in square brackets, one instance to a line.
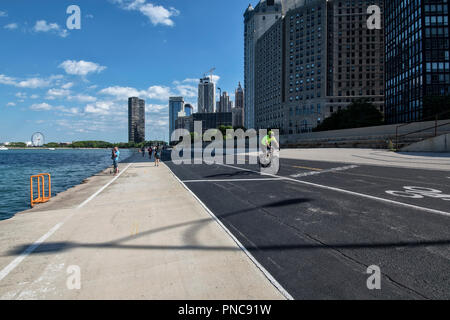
[433, 161]
[143, 237]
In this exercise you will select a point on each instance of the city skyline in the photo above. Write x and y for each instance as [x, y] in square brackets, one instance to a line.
[74, 84]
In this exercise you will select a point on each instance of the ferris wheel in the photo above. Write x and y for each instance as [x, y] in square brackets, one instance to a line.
[37, 139]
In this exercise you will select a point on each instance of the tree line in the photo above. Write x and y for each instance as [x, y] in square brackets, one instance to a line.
[92, 144]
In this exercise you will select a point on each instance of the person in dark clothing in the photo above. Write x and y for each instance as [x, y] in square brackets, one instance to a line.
[150, 152]
[157, 156]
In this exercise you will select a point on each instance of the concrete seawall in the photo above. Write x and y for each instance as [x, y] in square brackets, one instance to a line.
[139, 236]
[437, 144]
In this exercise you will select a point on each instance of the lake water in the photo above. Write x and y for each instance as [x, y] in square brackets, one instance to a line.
[68, 168]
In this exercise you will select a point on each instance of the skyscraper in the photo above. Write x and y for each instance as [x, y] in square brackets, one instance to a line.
[188, 109]
[176, 105]
[355, 56]
[417, 58]
[225, 103]
[316, 60]
[239, 97]
[206, 95]
[238, 110]
[257, 21]
[136, 120]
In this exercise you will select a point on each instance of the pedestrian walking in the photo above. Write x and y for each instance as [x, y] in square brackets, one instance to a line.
[115, 158]
[143, 151]
[157, 156]
[150, 152]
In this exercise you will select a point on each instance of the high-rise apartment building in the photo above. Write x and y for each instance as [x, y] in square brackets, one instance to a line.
[176, 105]
[206, 95]
[317, 60]
[417, 57]
[136, 120]
[304, 71]
[257, 21]
[269, 81]
[355, 55]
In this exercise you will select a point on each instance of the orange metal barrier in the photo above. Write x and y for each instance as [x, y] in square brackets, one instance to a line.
[42, 196]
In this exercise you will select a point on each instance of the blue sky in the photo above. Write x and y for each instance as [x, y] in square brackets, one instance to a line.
[73, 84]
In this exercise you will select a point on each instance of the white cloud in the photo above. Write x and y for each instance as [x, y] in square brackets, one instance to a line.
[41, 107]
[34, 96]
[187, 91]
[44, 26]
[67, 85]
[155, 108]
[121, 92]
[57, 94]
[161, 93]
[191, 80]
[34, 83]
[11, 26]
[99, 108]
[7, 80]
[11, 104]
[158, 93]
[3, 14]
[81, 68]
[215, 78]
[82, 98]
[71, 111]
[155, 13]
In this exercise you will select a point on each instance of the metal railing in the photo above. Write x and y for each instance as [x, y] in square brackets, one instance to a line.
[435, 127]
[42, 196]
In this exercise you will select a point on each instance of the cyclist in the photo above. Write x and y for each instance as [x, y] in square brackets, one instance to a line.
[269, 141]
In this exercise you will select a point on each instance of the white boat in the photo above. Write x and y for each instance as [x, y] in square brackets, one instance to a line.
[51, 149]
[2, 148]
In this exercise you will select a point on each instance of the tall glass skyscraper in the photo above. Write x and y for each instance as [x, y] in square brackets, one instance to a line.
[176, 104]
[417, 57]
[207, 95]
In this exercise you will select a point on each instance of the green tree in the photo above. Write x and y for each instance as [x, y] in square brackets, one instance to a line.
[92, 144]
[17, 145]
[52, 145]
[358, 114]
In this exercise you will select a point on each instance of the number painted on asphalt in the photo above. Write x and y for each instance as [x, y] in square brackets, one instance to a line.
[420, 193]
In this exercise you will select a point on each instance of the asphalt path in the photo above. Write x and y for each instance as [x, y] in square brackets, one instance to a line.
[316, 227]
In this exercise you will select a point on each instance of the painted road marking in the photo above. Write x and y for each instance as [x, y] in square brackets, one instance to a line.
[420, 193]
[28, 251]
[272, 280]
[10, 267]
[103, 188]
[439, 212]
[307, 168]
[234, 180]
[307, 174]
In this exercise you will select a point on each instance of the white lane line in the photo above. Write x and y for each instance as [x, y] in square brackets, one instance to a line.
[233, 180]
[27, 252]
[266, 273]
[411, 206]
[103, 188]
[307, 174]
[10, 267]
